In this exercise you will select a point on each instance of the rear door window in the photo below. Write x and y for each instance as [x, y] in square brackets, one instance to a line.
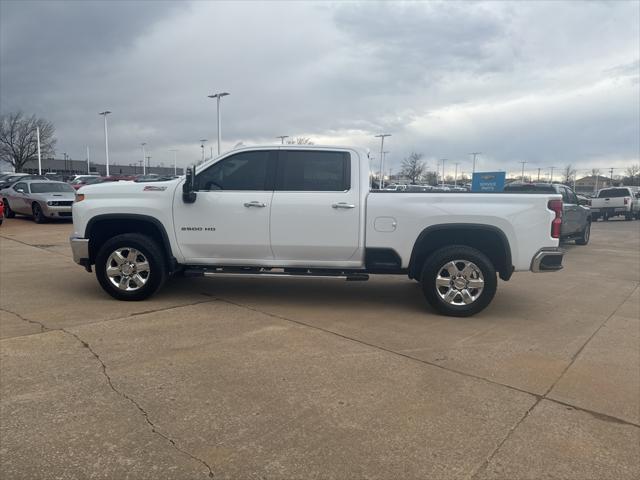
[313, 171]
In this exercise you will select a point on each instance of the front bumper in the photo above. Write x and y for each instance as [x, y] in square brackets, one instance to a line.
[547, 260]
[80, 250]
[56, 211]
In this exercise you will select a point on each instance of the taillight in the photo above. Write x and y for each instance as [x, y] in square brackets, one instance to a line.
[556, 207]
[626, 200]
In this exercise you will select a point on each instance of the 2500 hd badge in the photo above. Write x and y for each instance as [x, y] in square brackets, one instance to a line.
[198, 229]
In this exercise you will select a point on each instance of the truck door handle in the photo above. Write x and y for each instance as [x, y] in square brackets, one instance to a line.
[255, 204]
[343, 205]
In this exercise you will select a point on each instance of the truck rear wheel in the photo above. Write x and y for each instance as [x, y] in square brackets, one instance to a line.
[583, 239]
[458, 281]
[130, 266]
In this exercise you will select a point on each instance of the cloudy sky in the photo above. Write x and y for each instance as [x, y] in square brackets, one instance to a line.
[549, 83]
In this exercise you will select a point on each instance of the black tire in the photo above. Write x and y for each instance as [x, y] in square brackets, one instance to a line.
[583, 239]
[38, 215]
[628, 217]
[605, 217]
[434, 265]
[157, 274]
[7, 209]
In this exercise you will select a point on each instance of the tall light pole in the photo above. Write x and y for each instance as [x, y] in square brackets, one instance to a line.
[473, 168]
[455, 178]
[149, 162]
[384, 159]
[88, 162]
[282, 137]
[443, 160]
[106, 138]
[144, 156]
[175, 161]
[551, 175]
[39, 156]
[381, 137]
[202, 142]
[218, 96]
[524, 162]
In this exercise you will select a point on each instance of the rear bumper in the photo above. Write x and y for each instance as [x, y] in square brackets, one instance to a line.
[547, 260]
[80, 250]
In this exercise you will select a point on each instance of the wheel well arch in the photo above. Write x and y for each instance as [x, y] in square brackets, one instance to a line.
[103, 227]
[488, 239]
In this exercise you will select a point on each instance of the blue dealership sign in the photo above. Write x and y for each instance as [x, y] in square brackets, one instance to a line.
[488, 182]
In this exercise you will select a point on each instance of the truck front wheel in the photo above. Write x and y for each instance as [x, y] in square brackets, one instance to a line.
[130, 266]
[458, 281]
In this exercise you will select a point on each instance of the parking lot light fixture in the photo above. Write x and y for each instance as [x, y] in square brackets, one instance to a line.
[175, 161]
[218, 96]
[282, 137]
[144, 156]
[382, 137]
[106, 139]
[202, 142]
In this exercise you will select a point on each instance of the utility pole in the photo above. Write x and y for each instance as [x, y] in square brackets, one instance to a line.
[218, 97]
[455, 178]
[282, 137]
[551, 176]
[106, 138]
[88, 162]
[473, 168]
[524, 162]
[382, 137]
[611, 175]
[149, 162]
[144, 156]
[443, 160]
[538, 173]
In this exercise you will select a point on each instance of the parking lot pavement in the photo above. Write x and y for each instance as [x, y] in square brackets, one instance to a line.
[284, 378]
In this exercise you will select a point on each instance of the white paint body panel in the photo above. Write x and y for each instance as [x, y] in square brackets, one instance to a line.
[301, 229]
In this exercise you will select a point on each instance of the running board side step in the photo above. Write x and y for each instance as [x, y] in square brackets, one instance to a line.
[274, 273]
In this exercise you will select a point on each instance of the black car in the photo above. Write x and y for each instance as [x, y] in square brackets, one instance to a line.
[576, 214]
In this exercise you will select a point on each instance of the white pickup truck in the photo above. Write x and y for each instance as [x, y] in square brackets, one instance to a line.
[614, 201]
[310, 212]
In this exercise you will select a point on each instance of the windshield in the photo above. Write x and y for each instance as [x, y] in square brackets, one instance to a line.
[12, 178]
[614, 192]
[51, 187]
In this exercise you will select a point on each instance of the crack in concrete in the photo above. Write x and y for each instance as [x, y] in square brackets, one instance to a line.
[39, 247]
[135, 403]
[600, 416]
[43, 327]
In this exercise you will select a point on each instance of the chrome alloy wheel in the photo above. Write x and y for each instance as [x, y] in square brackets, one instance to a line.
[459, 282]
[128, 269]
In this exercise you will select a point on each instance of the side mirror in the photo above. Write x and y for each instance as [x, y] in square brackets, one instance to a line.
[188, 189]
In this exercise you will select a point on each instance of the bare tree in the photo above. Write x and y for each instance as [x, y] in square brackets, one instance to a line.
[568, 173]
[413, 167]
[633, 171]
[595, 172]
[18, 141]
[300, 141]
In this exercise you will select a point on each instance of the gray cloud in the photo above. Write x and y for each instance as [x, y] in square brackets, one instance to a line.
[550, 83]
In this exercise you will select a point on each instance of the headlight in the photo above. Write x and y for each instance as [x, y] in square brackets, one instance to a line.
[79, 197]
[51, 204]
